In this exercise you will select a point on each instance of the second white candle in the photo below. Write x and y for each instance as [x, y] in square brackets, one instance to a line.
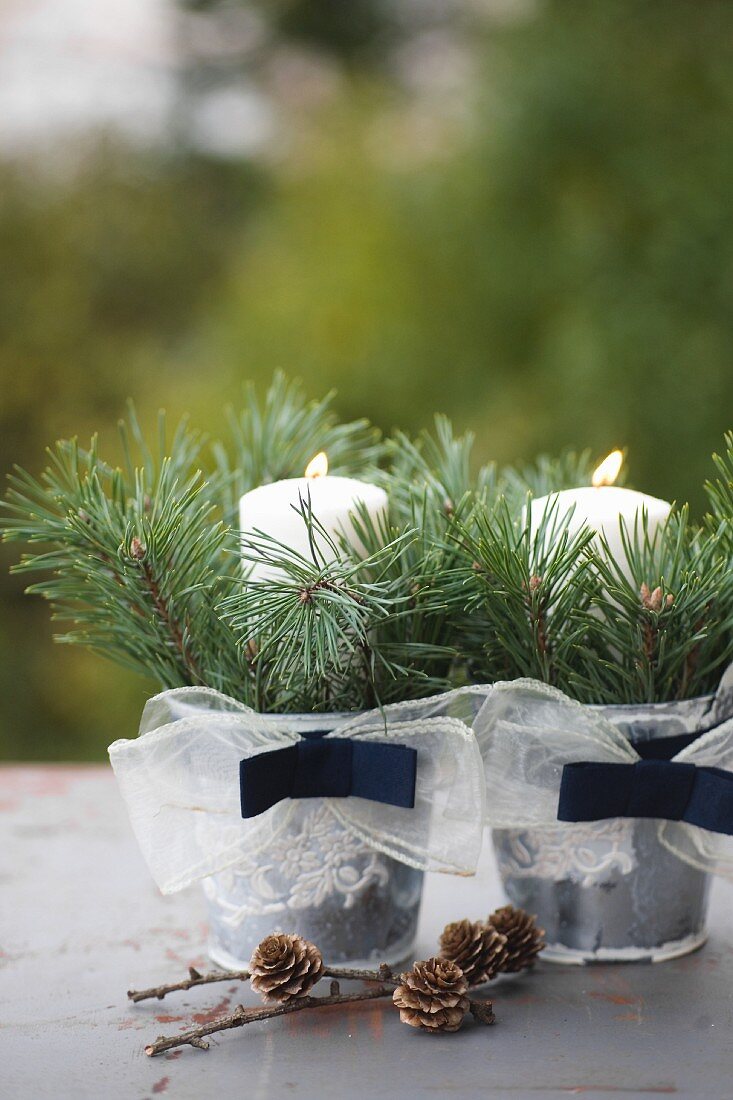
[601, 507]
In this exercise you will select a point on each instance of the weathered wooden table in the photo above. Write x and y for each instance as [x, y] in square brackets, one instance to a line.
[81, 922]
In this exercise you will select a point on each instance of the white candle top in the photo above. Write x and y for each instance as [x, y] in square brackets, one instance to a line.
[271, 509]
[601, 508]
[331, 498]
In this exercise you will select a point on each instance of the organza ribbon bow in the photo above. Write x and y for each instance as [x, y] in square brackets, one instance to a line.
[407, 780]
[549, 759]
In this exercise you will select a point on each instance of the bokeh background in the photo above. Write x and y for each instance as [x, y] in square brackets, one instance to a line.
[519, 212]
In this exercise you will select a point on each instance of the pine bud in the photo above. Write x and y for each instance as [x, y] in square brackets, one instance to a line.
[652, 601]
[137, 550]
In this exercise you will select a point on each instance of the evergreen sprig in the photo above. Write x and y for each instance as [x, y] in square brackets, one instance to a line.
[134, 556]
[665, 609]
[654, 626]
[525, 594]
[432, 476]
[417, 640]
[719, 491]
[139, 560]
[276, 438]
[145, 562]
[322, 629]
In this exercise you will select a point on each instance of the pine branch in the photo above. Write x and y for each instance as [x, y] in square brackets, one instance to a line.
[719, 490]
[525, 594]
[134, 558]
[382, 974]
[276, 437]
[654, 626]
[176, 630]
[663, 622]
[137, 560]
[321, 622]
[433, 476]
[415, 640]
[547, 474]
[481, 1010]
[453, 585]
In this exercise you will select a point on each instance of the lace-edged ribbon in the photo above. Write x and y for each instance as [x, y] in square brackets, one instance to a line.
[415, 780]
[549, 759]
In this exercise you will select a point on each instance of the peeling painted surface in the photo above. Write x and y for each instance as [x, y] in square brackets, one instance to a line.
[81, 922]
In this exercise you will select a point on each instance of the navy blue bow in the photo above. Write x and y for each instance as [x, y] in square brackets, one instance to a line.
[592, 791]
[329, 767]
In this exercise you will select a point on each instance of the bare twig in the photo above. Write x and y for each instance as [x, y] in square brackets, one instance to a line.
[482, 1012]
[194, 979]
[241, 1016]
[383, 974]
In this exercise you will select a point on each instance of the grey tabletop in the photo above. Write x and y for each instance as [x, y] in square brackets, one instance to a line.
[81, 922]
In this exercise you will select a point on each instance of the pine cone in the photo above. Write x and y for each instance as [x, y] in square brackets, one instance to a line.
[432, 996]
[477, 948]
[285, 966]
[524, 939]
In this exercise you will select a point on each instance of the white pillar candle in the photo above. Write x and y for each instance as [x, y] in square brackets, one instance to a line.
[273, 510]
[601, 507]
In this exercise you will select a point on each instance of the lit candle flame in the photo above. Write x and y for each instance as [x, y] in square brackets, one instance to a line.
[318, 465]
[607, 472]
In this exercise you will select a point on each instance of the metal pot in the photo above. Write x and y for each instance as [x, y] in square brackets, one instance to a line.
[608, 891]
[317, 879]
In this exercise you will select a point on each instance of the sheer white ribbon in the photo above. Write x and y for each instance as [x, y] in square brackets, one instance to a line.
[528, 731]
[180, 782]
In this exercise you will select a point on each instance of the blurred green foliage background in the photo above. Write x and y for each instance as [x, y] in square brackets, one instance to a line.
[517, 213]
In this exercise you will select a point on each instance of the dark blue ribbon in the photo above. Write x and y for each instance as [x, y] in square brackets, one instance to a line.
[328, 767]
[591, 791]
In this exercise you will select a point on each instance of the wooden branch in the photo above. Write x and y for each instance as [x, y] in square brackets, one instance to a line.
[482, 1012]
[241, 1016]
[383, 974]
[194, 978]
